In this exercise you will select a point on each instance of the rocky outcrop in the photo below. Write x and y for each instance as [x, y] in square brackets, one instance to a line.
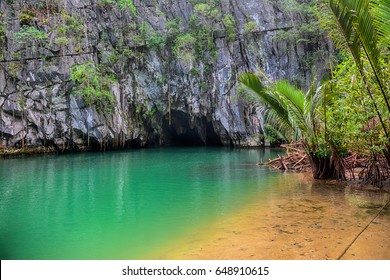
[170, 67]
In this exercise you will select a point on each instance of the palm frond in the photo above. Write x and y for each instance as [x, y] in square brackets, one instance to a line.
[252, 82]
[275, 134]
[381, 12]
[291, 94]
[356, 23]
[271, 119]
[293, 99]
[291, 111]
[344, 16]
[366, 31]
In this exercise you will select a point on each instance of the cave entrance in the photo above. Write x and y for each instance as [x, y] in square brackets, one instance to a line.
[181, 133]
[212, 138]
[189, 138]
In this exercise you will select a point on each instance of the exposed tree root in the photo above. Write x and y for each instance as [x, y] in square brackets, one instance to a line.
[374, 170]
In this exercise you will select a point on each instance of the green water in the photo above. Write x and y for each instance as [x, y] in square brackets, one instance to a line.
[121, 205]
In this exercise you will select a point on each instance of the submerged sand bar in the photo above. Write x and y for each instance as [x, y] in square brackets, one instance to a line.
[307, 221]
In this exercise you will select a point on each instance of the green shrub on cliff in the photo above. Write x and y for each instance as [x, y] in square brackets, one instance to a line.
[30, 35]
[2, 29]
[122, 4]
[93, 85]
[230, 27]
[184, 48]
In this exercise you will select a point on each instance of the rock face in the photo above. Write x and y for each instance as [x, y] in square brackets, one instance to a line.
[170, 67]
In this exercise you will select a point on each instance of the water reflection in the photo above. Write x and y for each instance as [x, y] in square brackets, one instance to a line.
[74, 204]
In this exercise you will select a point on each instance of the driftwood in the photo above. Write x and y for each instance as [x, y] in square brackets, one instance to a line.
[373, 169]
[295, 160]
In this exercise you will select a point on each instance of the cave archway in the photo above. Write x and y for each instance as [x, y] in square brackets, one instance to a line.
[184, 132]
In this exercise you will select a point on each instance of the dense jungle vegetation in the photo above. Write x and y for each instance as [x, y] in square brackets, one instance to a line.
[347, 114]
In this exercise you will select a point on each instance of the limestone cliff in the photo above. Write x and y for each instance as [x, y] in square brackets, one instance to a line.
[163, 72]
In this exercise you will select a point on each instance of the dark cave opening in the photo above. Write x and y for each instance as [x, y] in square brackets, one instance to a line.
[189, 138]
[212, 138]
[181, 133]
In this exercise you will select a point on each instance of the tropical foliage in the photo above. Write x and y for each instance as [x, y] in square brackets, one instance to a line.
[285, 107]
[349, 113]
[364, 28]
[297, 117]
[362, 36]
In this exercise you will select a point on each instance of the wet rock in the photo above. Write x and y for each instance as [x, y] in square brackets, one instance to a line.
[158, 98]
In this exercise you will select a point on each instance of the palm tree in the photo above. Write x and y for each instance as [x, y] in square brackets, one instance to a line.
[296, 115]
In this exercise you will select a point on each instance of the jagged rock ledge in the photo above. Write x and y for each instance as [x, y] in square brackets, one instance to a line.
[13, 152]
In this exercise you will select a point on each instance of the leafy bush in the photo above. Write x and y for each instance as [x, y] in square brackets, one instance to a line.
[250, 27]
[184, 48]
[155, 40]
[93, 85]
[121, 4]
[127, 5]
[173, 28]
[25, 18]
[31, 35]
[61, 41]
[2, 33]
[230, 27]
[73, 26]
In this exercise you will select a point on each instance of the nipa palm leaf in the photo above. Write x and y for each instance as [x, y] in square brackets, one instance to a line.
[381, 12]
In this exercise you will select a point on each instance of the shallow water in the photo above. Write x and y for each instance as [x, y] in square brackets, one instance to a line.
[120, 205]
[298, 218]
[207, 203]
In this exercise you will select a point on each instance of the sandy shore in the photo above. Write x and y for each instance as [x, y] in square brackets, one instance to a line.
[317, 222]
